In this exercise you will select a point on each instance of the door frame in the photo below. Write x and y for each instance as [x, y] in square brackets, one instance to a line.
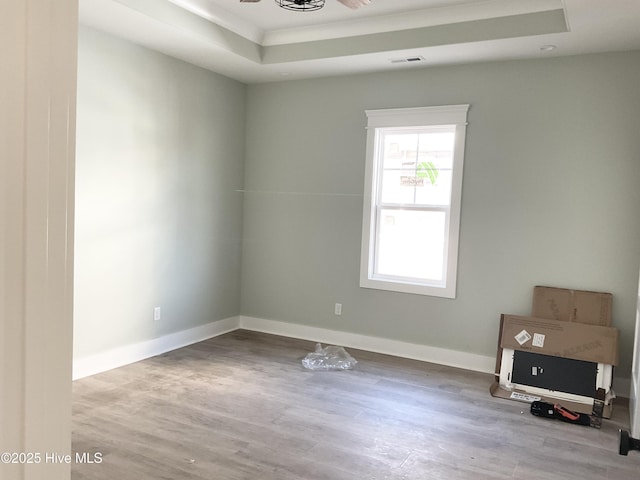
[38, 47]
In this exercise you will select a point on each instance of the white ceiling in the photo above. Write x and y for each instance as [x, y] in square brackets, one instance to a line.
[260, 42]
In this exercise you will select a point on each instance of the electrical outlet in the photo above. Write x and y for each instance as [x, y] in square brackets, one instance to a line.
[156, 314]
[338, 309]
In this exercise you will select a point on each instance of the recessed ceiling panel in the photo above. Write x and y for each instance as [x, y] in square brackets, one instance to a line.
[258, 41]
[268, 16]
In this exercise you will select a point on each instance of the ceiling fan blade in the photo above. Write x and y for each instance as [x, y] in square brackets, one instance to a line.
[354, 3]
[249, 1]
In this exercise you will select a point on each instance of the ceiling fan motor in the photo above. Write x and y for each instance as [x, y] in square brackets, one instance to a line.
[311, 5]
[301, 5]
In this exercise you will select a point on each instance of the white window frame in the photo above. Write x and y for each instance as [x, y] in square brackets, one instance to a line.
[450, 115]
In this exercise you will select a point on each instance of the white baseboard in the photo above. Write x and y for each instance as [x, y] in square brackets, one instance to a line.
[118, 357]
[425, 353]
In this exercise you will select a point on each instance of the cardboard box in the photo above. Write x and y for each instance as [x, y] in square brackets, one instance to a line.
[588, 343]
[591, 343]
[592, 308]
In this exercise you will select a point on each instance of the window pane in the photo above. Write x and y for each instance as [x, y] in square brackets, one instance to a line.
[399, 150]
[398, 186]
[437, 194]
[411, 244]
[416, 166]
[399, 167]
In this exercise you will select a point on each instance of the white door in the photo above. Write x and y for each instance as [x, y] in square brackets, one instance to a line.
[634, 402]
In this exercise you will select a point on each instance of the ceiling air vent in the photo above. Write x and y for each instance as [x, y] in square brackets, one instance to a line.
[414, 59]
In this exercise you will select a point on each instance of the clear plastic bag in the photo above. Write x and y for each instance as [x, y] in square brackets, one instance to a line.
[329, 358]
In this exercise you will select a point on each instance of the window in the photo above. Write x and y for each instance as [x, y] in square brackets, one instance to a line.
[413, 189]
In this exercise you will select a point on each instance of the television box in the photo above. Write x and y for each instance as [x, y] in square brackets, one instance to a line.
[553, 341]
[593, 308]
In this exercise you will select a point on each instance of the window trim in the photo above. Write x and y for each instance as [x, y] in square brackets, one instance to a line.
[413, 117]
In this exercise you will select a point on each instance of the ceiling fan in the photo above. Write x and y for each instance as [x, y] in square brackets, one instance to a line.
[310, 5]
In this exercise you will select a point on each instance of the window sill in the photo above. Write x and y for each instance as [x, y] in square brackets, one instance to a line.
[411, 288]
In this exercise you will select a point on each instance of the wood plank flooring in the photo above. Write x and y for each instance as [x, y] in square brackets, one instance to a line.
[241, 406]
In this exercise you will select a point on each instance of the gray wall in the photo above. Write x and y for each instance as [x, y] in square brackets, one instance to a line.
[550, 196]
[160, 152]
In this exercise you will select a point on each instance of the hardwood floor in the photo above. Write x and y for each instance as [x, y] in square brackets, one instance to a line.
[241, 406]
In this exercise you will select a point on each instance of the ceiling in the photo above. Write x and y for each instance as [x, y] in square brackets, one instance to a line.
[260, 42]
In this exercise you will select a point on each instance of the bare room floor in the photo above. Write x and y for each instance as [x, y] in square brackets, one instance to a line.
[241, 406]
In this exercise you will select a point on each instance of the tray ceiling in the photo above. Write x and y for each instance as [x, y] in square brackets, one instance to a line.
[260, 42]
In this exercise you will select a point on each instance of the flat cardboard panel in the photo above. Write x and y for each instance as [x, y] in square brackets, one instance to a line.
[591, 343]
[580, 306]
